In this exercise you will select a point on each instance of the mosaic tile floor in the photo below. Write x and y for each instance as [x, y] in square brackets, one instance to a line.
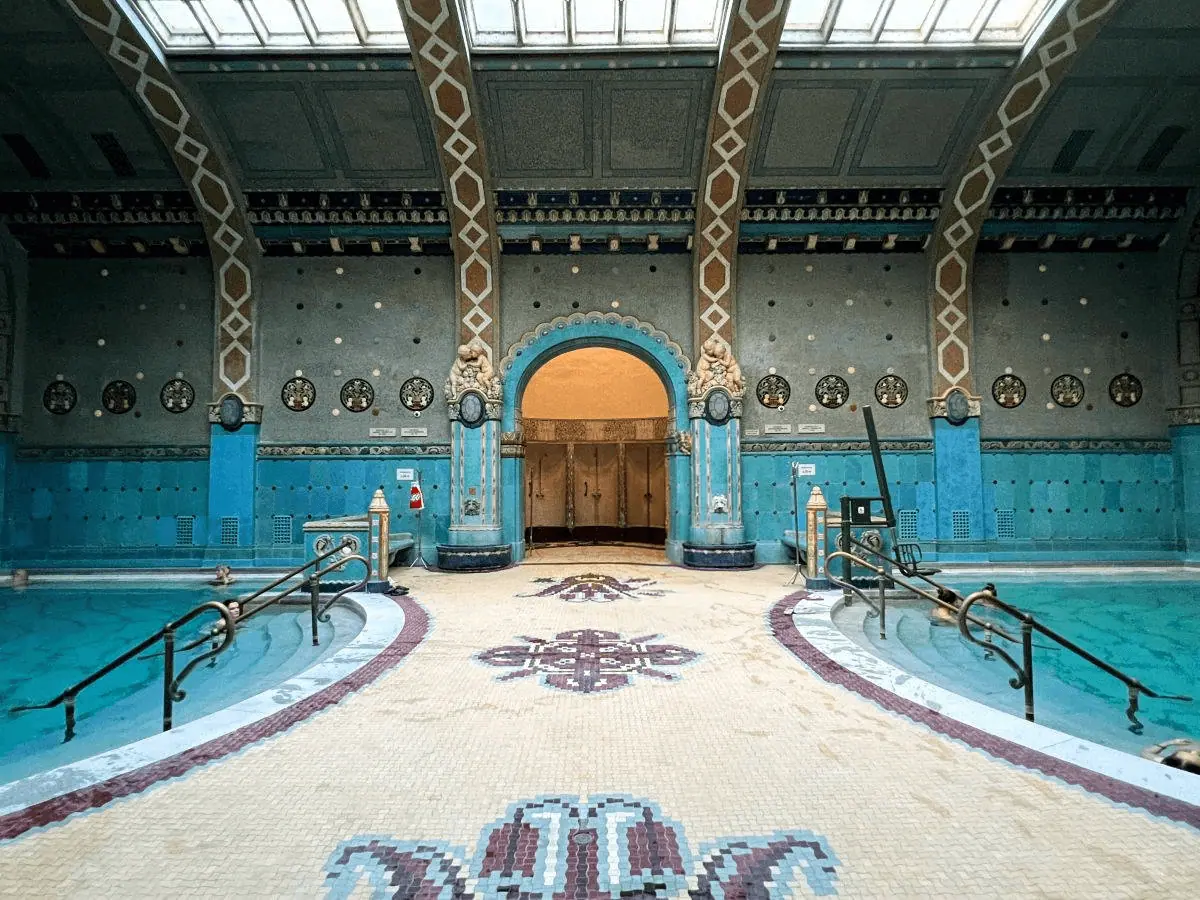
[738, 774]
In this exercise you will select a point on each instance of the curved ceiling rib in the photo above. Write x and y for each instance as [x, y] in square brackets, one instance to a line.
[966, 202]
[200, 162]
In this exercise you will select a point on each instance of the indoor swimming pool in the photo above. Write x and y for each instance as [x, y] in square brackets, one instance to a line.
[60, 632]
[1147, 626]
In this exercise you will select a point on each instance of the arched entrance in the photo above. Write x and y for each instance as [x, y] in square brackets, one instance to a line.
[595, 459]
[630, 337]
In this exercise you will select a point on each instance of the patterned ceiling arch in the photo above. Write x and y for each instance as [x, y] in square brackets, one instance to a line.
[965, 205]
[208, 177]
[751, 39]
[439, 52]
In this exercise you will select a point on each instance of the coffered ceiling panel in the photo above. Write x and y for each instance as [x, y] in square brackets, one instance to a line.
[866, 128]
[595, 129]
[295, 130]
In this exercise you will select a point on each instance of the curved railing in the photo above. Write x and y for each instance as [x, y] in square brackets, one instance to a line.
[220, 635]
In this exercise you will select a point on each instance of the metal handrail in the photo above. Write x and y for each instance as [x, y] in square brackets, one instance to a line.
[224, 632]
[1024, 676]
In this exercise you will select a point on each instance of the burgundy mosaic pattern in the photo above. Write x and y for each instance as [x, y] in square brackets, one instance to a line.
[784, 629]
[587, 661]
[563, 848]
[416, 626]
[594, 587]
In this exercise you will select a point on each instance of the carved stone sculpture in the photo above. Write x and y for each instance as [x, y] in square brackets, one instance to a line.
[473, 371]
[716, 368]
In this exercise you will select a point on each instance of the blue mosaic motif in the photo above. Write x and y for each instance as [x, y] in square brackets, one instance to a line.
[604, 848]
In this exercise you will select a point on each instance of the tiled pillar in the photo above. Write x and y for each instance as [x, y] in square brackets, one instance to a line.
[1185, 451]
[512, 491]
[718, 537]
[231, 483]
[958, 480]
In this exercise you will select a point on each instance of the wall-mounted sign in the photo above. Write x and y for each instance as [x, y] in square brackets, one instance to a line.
[752, 432]
[414, 432]
[810, 428]
[803, 469]
[406, 475]
[382, 432]
[777, 428]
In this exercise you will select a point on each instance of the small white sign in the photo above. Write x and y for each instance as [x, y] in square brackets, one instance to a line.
[406, 475]
[806, 469]
[383, 432]
[414, 432]
[810, 428]
[752, 432]
[778, 428]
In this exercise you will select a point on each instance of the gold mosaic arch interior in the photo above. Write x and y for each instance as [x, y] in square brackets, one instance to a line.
[966, 205]
[441, 61]
[747, 54]
[215, 191]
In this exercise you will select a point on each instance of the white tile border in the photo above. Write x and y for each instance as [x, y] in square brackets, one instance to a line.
[383, 622]
[814, 620]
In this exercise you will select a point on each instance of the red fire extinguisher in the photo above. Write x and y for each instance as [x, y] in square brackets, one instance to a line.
[416, 500]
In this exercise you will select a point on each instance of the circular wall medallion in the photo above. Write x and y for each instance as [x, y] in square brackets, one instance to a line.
[177, 396]
[358, 395]
[891, 391]
[118, 397]
[958, 407]
[416, 394]
[774, 391]
[1066, 390]
[298, 394]
[832, 391]
[471, 410]
[60, 397]
[231, 412]
[1125, 390]
[717, 408]
[1008, 391]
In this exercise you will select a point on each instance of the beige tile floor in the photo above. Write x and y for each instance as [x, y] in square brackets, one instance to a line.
[744, 741]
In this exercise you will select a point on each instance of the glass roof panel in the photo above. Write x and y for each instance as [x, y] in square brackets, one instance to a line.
[646, 22]
[544, 22]
[491, 23]
[280, 20]
[595, 22]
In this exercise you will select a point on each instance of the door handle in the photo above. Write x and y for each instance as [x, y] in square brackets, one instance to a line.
[585, 491]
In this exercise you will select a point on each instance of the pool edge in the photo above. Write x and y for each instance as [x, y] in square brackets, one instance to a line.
[58, 793]
[1163, 792]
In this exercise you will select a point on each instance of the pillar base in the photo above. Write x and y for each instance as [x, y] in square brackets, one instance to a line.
[462, 558]
[719, 556]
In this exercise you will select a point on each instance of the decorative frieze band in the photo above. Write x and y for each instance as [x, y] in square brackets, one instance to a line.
[594, 431]
[1082, 445]
[835, 446]
[66, 454]
[286, 451]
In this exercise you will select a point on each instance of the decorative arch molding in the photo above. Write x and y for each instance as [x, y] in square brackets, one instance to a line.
[439, 53]
[201, 164]
[751, 38]
[966, 203]
[596, 329]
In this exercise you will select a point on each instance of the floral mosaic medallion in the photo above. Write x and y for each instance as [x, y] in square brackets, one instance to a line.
[596, 588]
[177, 396]
[588, 661]
[416, 394]
[118, 397]
[832, 391]
[606, 848]
[59, 397]
[1125, 390]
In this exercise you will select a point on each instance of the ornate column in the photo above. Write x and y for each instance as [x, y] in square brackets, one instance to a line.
[13, 285]
[474, 396]
[1184, 422]
[715, 391]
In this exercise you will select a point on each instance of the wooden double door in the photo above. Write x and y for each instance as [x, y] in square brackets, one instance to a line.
[596, 491]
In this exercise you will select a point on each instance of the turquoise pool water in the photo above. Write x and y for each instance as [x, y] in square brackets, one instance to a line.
[1149, 627]
[58, 633]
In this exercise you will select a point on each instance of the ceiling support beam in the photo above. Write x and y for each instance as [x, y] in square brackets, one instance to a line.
[749, 43]
[201, 164]
[966, 201]
[439, 52]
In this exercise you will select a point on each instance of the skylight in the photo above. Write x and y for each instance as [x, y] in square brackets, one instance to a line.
[584, 24]
[907, 23]
[199, 25]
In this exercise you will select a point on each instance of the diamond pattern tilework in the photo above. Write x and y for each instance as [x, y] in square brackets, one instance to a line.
[212, 185]
[749, 47]
[964, 209]
[439, 54]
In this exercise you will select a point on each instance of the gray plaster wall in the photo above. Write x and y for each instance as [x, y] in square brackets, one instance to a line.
[14, 295]
[155, 320]
[655, 289]
[383, 319]
[811, 316]
[1103, 314]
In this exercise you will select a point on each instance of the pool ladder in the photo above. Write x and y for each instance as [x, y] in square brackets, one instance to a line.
[898, 572]
[219, 637]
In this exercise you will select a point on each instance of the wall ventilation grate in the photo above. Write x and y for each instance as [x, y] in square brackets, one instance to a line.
[1071, 150]
[185, 531]
[281, 529]
[26, 155]
[906, 520]
[114, 153]
[961, 520]
[1161, 148]
[1006, 525]
[229, 531]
